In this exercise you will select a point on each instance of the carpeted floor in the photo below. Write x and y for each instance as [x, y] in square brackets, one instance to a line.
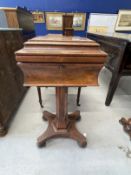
[108, 151]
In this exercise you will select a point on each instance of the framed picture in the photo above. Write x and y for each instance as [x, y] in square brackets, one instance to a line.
[79, 21]
[54, 20]
[123, 21]
[101, 23]
[38, 17]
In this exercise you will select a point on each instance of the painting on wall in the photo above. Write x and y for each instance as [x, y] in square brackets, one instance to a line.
[79, 21]
[38, 17]
[101, 23]
[54, 20]
[123, 21]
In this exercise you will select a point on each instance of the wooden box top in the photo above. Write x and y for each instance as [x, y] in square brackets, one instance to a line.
[58, 48]
[56, 60]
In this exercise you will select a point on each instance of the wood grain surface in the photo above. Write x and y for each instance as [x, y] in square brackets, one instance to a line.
[62, 62]
[56, 60]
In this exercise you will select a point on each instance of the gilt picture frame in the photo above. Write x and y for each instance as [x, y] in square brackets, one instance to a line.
[54, 20]
[79, 21]
[38, 17]
[123, 21]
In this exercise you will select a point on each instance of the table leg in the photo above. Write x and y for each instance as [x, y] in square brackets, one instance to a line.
[39, 95]
[62, 124]
[112, 88]
[78, 96]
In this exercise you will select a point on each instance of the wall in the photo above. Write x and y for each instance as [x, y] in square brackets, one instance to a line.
[96, 6]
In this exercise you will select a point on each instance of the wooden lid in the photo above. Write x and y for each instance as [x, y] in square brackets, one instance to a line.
[61, 49]
[59, 37]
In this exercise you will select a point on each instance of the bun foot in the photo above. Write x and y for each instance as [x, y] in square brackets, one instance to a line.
[41, 145]
[44, 118]
[83, 144]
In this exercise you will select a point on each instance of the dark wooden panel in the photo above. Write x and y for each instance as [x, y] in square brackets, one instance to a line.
[118, 47]
[115, 48]
[25, 19]
[68, 25]
[11, 77]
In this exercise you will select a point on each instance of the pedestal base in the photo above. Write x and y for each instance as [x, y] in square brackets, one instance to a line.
[69, 132]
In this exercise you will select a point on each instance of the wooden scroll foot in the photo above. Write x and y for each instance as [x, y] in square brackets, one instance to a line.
[69, 132]
[126, 125]
[3, 130]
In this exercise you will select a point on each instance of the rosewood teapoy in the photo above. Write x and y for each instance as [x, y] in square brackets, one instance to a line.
[61, 62]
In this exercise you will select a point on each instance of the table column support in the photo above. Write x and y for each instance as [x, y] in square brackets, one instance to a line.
[62, 124]
[61, 107]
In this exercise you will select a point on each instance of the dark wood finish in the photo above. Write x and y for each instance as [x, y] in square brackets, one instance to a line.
[3, 129]
[68, 25]
[40, 97]
[11, 77]
[126, 125]
[61, 66]
[67, 21]
[68, 32]
[118, 47]
[78, 96]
